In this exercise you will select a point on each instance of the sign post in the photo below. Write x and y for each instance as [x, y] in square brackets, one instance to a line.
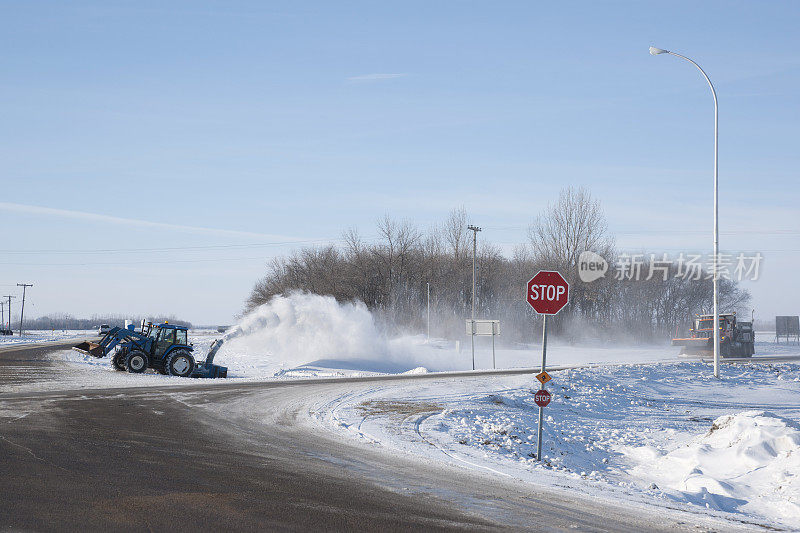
[484, 328]
[548, 293]
[494, 363]
[541, 407]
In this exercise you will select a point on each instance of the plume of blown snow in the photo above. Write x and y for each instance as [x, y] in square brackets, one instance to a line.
[304, 328]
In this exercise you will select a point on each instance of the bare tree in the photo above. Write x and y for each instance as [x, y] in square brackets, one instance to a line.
[391, 275]
[455, 233]
[574, 224]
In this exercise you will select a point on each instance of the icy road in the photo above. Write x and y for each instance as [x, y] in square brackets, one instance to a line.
[256, 456]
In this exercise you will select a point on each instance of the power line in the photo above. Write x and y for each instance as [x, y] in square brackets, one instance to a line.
[167, 249]
[177, 248]
[637, 249]
[778, 232]
[108, 263]
[786, 232]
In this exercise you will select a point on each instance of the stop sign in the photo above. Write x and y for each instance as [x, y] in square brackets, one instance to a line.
[542, 397]
[548, 292]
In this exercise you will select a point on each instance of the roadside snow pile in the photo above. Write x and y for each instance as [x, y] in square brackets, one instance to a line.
[642, 431]
[749, 461]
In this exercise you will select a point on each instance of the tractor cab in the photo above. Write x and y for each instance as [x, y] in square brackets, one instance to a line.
[165, 347]
[166, 337]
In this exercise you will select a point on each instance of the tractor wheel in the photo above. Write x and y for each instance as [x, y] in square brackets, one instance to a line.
[118, 362]
[136, 362]
[180, 363]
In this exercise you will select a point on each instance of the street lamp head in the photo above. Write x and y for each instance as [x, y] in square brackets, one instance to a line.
[655, 51]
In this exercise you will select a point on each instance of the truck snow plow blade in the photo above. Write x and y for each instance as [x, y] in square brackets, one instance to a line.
[694, 346]
[89, 348]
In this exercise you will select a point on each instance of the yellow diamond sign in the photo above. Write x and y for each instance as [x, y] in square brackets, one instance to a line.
[544, 377]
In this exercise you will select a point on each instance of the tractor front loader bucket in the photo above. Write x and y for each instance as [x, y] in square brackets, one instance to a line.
[90, 348]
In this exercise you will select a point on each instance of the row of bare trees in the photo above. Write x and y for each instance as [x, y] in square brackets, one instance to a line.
[62, 321]
[391, 277]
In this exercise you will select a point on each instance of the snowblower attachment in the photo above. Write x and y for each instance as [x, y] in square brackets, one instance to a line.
[207, 368]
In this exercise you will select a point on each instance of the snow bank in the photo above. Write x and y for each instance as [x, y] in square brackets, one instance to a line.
[641, 431]
[749, 459]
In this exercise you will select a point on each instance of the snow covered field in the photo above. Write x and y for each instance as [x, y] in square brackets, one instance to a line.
[36, 336]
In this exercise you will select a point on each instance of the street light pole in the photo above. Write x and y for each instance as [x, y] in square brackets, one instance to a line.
[656, 51]
[475, 231]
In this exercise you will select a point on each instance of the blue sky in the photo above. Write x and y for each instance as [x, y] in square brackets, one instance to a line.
[213, 126]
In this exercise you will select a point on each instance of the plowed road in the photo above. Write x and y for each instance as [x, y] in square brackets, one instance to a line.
[246, 456]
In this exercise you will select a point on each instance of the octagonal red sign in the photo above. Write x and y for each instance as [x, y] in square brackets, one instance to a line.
[548, 292]
[542, 397]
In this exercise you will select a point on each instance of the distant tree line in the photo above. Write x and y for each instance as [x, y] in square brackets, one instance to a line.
[390, 276]
[66, 321]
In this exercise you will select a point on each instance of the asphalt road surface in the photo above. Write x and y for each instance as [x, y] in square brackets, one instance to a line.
[245, 456]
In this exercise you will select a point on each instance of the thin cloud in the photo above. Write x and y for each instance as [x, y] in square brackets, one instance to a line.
[375, 77]
[107, 219]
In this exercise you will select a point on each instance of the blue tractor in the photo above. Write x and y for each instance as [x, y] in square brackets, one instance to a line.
[163, 347]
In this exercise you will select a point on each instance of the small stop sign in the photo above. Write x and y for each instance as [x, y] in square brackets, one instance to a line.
[542, 397]
[548, 292]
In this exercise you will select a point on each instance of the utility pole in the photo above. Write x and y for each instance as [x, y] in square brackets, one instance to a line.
[9, 309]
[22, 312]
[474, 230]
[429, 310]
